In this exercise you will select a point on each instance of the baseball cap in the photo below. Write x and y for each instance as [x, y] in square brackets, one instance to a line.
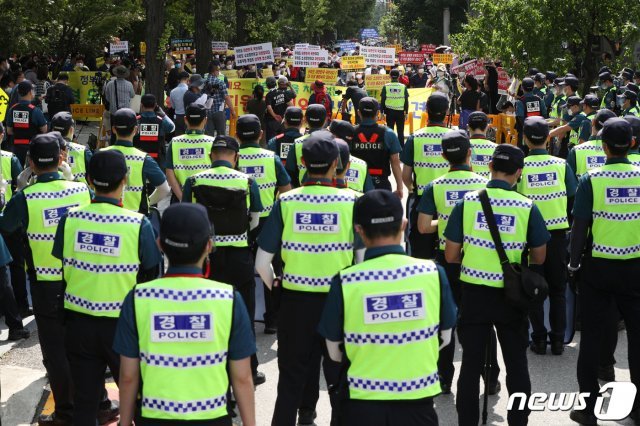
[539, 77]
[293, 115]
[508, 158]
[283, 80]
[107, 167]
[591, 100]
[227, 142]
[628, 75]
[478, 120]
[437, 102]
[24, 87]
[148, 100]
[195, 111]
[394, 74]
[345, 154]
[319, 150]
[559, 81]
[604, 69]
[536, 130]
[124, 119]
[248, 127]
[633, 87]
[527, 83]
[635, 126]
[44, 149]
[196, 80]
[617, 133]
[604, 76]
[628, 94]
[455, 141]
[185, 226]
[316, 115]
[61, 141]
[573, 100]
[533, 71]
[572, 81]
[603, 115]
[368, 104]
[378, 207]
[550, 75]
[342, 129]
[62, 121]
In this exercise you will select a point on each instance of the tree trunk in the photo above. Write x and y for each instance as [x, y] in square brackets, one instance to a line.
[202, 35]
[242, 8]
[155, 56]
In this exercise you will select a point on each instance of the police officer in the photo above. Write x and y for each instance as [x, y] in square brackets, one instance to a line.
[558, 103]
[590, 155]
[221, 329]
[574, 121]
[36, 210]
[354, 170]
[608, 91]
[634, 152]
[117, 244]
[481, 148]
[605, 214]
[372, 325]
[315, 117]
[24, 121]
[78, 156]
[549, 79]
[191, 152]
[378, 146]
[313, 225]
[482, 303]
[437, 201]
[233, 201]
[629, 106]
[153, 127]
[282, 143]
[341, 179]
[589, 109]
[539, 88]
[423, 163]
[395, 104]
[551, 184]
[529, 105]
[28, 176]
[142, 168]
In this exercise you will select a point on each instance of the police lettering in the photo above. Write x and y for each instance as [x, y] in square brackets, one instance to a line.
[367, 146]
[323, 223]
[191, 327]
[191, 153]
[430, 150]
[393, 307]
[628, 195]
[506, 223]
[96, 243]
[539, 180]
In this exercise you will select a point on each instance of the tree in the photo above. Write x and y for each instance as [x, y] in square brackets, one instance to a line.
[421, 20]
[202, 34]
[155, 57]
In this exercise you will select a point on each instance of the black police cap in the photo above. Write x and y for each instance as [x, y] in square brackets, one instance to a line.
[634, 122]
[533, 71]
[455, 141]
[536, 130]
[539, 77]
[605, 76]
[633, 87]
[559, 81]
[24, 87]
[344, 153]
[508, 158]
[478, 119]
[628, 94]
[248, 127]
[527, 83]
[604, 69]
[394, 73]
[107, 167]
[44, 149]
[437, 102]
[571, 80]
[591, 100]
[550, 75]
[617, 133]
[378, 207]
[603, 115]
[293, 115]
[573, 100]
[185, 226]
[62, 122]
[124, 119]
[369, 105]
[195, 111]
[319, 150]
[316, 115]
[342, 129]
[225, 142]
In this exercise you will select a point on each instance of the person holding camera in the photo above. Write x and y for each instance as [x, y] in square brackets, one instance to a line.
[216, 91]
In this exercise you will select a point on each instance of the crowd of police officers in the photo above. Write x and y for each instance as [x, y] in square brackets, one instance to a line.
[314, 215]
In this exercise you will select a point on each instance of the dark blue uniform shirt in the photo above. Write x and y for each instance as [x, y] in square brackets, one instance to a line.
[151, 171]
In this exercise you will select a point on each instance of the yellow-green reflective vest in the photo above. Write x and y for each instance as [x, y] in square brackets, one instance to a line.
[101, 258]
[448, 190]
[395, 96]
[6, 173]
[589, 155]
[184, 326]
[428, 163]
[603, 102]
[634, 158]
[481, 264]
[225, 177]
[191, 154]
[616, 209]
[357, 174]
[543, 182]
[555, 106]
[392, 313]
[481, 154]
[317, 237]
[634, 110]
[75, 159]
[260, 164]
[302, 169]
[133, 191]
[47, 202]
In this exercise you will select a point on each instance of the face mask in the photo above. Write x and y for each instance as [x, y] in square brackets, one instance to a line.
[229, 67]
[358, 77]
[620, 101]
[440, 73]
[570, 112]
[420, 71]
[603, 86]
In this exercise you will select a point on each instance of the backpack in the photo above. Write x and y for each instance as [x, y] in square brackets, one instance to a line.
[56, 99]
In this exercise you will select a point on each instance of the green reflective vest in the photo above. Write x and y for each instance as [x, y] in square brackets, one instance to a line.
[616, 209]
[6, 173]
[634, 110]
[555, 106]
[589, 155]
[191, 153]
[75, 159]
[317, 237]
[184, 326]
[357, 174]
[298, 151]
[260, 164]
[574, 135]
[225, 177]
[395, 96]
[543, 182]
[392, 313]
[603, 103]
[481, 154]
[47, 202]
[481, 264]
[101, 258]
[133, 191]
[428, 163]
[448, 190]
[634, 157]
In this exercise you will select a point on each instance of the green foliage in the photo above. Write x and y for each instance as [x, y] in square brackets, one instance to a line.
[421, 20]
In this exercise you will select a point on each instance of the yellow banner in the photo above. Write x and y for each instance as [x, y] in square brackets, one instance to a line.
[4, 104]
[398, 47]
[353, 62]
[417, 105]
[327, 75]
[376, 81]
[267, 72]
[442, 58]
[83, 84]
[230, 73]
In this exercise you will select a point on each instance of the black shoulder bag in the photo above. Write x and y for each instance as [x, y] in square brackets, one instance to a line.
[522, 286]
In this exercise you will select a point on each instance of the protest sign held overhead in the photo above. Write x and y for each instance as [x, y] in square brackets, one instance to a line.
[442, 58]
[378, 55]
[182, 46]
[119, 47]
[328, 75]
[353, 62]
[254, 54]
[219, 46]
[308, 57]
[411, 57]
[376, 81]
[429, 49]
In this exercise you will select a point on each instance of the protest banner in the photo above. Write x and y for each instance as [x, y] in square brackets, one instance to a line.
[143, 48]
[503, 81]
[119, 47]
[230, 73]
[369, 33]
[411, 57]
[442, 58]
[417, 105]
[219, 46]
[4, 104]
[378, 55]
[182, 46]
[277, 52]
[254, 54]
[429, 49]
[300, 46]
[83, 85]
[267, 72]
[347, 46]
[376, 81]
[353, 62]
[307, 58]
[474, 67]
[397, 47]
[327, 75]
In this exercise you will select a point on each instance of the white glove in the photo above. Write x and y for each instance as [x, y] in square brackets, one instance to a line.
[65, 169]
[445, 335]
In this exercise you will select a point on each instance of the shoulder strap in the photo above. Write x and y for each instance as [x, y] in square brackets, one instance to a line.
[493, 227]
[115, 90]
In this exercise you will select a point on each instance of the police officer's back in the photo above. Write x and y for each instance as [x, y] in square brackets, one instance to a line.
[153, 127]
[354, 171]
[315, 116]
[481, 147]
[24, 121]
[529, 105]
[282, 143]
[78, 156]
[395, 104]
[590, 155]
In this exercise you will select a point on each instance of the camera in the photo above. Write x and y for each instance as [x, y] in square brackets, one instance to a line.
[211, 87]
[338, 92]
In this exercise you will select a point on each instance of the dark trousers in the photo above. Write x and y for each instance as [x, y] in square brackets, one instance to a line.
[421, 246]
[301, 350]
[273, 128]
[395, 413]
[234, 265]
[181, 126]
[606, 284]
[270, 298]
[8, 306]
[481, 309]
[89, 342]
[216, 122]
[396, 119]
[381, 182]
[15, 244]
[555, 266]
[48, 309]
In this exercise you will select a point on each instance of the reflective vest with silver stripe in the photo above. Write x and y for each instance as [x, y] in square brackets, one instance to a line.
[555, 106]
[6, 174]
[481, 154]
[428, 163]
[260, 164]
[589, 155]
[191, 154]
[302, 169]
[357, 174]
[75, 159]
[574, 136]
[134, 189]
[395, 96]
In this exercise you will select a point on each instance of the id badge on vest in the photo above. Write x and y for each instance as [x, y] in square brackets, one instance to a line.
[451, 198]
[430, 150]
[284, 150]
[533, 107]
[622, 195]
[393, 307]
[51, 217]
[21, 119]
[506, 223]
[316, 223]
[172, 328]
[256, 172]
[97, 243]
[189, 154]
[541, 180]
[352, 175]
[149, 132]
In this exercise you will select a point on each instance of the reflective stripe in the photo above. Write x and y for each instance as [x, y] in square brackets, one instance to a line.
[200, 360]
[394, 386]
[546, 197]
[317, 248]
[428, 135]
[40, 237]
[431, 165]
[257, 156]
[93, 306]
[619, 251]
[448, 181]
[308, 281]
[391, 338]
[387, 274]
[267, 185]
[490, 244]
[481, 274]
[131, 157]
[184, 407]
[501, 202]
[48, 271]
[220, 176]
[183, 295]
[616, 216]
[555, 221]
[317, 198]
[101, 218]
[54, 194]
[191, 167]
[231, 238]
[92, 267]
[267, 209]
[134, 188]
[615, 174]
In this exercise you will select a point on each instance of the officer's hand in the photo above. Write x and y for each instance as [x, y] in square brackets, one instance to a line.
[278, 118]
[573, 277]
[66, 171]
[399, 192]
